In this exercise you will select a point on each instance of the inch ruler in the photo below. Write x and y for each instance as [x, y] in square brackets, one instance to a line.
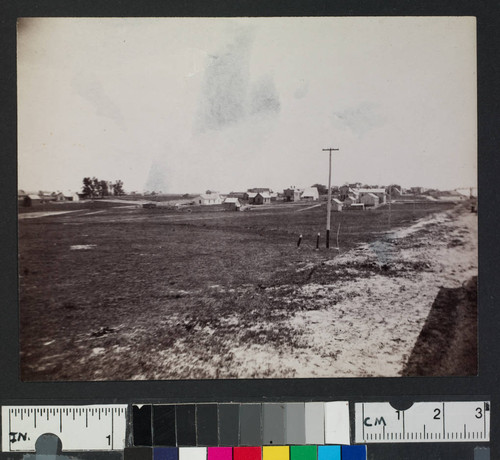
[80, 428]
[457, 421]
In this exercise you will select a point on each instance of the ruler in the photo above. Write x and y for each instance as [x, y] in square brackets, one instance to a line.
[80, 428]
[458, 421]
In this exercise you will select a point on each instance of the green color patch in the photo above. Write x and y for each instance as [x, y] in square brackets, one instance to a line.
[303, 452]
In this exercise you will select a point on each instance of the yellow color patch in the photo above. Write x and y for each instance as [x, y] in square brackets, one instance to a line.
[276, 453]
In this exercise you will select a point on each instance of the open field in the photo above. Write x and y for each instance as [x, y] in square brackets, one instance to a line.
[113, 292]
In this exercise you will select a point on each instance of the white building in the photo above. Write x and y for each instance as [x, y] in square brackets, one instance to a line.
[205, 199]
[310, 193]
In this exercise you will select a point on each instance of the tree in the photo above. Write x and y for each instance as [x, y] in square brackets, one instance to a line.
[88, 188]
[103, 188]
[322, 189]
[94, 187]
[118, 188]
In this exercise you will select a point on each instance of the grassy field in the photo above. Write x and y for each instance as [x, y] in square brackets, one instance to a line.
[111, 292]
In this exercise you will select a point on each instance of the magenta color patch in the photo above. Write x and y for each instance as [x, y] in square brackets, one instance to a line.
[220, 453]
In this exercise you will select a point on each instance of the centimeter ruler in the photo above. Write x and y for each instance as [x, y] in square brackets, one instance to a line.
[464, 421]
[80, 428]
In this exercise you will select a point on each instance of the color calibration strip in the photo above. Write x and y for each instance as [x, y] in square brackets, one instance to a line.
[247, 453]
[231, 425]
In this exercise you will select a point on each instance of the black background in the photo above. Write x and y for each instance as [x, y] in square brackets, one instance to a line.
[485, 385]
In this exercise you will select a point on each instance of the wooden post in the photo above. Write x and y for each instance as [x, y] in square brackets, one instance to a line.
[300, 241]
[329, 203]
[317, 241]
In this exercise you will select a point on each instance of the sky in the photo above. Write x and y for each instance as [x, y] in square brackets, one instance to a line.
[182, 105]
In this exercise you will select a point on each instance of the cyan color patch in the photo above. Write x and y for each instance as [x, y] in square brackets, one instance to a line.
[328, 452]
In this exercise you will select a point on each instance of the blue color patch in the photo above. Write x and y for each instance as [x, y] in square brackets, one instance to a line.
[328, 452]
[166, 453]
[353, 452]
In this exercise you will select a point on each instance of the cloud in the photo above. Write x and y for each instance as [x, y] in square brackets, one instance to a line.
[225, 85]
[359, 120]
[90, 88]
[302, 89]
[264, 97]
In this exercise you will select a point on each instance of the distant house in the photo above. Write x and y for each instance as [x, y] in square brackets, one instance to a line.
[239, 195]
[349, 201]
[345, 191]
[206, 199]
[380, 192]
[71, 196]
[59, 196]
[310, 193]
[250, 197]
[32, 200]
[21, 195]
[262, 198]
[370, 200]
[47, 196]
[336, 205]
[291, 194]
[232, 204]
[260, 190]
[394, 191]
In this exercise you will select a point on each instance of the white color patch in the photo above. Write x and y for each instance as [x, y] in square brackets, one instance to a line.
[337, 422]
[192, 453]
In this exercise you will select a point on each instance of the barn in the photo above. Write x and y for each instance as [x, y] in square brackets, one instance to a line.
[310, 194]
[232, 204]
[370, 200]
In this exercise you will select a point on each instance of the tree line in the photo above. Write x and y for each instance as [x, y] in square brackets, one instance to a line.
[95, 188]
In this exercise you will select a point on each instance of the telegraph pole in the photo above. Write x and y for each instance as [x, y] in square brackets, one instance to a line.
[329, 203]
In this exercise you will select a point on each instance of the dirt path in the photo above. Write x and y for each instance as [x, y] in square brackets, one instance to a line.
[366, 320]
[34, 215]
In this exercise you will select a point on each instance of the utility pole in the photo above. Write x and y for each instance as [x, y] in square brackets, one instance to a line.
[329, 203]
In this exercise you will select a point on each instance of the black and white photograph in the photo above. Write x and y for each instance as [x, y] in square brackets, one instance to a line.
[247, 198]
